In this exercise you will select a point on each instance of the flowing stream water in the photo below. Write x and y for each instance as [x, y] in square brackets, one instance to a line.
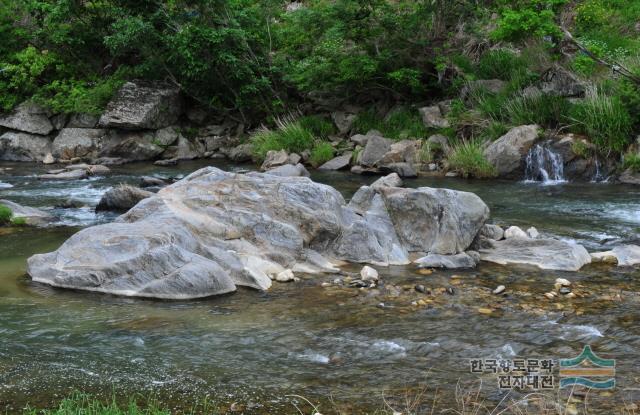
[344, 348]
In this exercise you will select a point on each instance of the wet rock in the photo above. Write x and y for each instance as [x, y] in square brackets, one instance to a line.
[289, 170]
[48, 159]
[143, 106]
[462, 260]
[451, 174]
[532, 232]
[499, 289]
[285, 276]
[563, 282]
[148, 181]
[78, 174]
[508, 152]
[432, 117]
[32, 216]
[368, 274]
[627, 255]
[607, 257]
[24, 147]
[421, 288]
[167, 162]
[337, 163]
[515, 232]
[374, 150]
[98, 170]
[564, 290]
[543, 253]
[29, 118]
[490, 231]
[122, 198]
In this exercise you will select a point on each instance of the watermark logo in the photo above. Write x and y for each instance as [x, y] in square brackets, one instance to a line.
[588, 370]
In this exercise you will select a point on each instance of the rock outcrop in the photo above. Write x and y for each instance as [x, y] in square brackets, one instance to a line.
[508, 152]
[139, 106]
[16, 146]
[29, 118]
[214, 230]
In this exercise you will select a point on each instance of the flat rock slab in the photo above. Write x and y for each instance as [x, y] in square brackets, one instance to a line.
[337, 163]
[29, 118]
[462, 260]
[542, 253]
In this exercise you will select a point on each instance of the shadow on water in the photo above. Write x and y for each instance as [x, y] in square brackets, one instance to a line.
[325, 343]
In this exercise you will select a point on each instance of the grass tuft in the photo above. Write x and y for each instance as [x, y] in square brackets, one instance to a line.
[321, 153]
[290, 136]
[5, 215]
[398, 125]
[632, 161]
[468, 159]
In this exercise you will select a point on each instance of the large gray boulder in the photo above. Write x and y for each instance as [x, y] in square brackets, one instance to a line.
[508, 152]
[29, 118]
[24, 147]
[141, 145]
[374, 150]
[122, 198]
[439, 221]
[81, 142]
[141, 105]
[543, 253]
[561, 82]
[31, 216]
[215, 230]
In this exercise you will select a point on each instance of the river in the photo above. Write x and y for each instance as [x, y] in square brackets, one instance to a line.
[349, 350]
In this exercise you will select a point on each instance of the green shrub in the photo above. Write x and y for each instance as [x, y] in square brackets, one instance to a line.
[605, 120]
[21, 221]
[400, 124]
[468, 159]
[545, 110]
[5, 215]
[528, 18]
[581, 149]
[289, 135]
[321, 153]
[500, 64]
[632, 161]
[319, 126]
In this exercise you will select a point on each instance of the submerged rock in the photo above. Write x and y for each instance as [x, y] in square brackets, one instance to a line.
[122, 198]
[77, 174]
[462, 260]
[543, 253]
[214, 230]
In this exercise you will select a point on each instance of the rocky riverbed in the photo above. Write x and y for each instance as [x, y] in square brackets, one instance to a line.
[323, 335]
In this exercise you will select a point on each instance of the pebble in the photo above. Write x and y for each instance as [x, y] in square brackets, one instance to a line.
[485, 310]
[451, 291]
[285, 276]
[550, 295]
[565, 290]
[325, 284]
[570, 295]
[499, 289]
[563, 282]
[425, 271]
[368, 274]
[421, 288]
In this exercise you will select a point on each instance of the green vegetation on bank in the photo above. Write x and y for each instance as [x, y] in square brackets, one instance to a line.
[259, 60]
[7, 217]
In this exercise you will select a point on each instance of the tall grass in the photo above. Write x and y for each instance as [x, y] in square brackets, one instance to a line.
[400, 124]
[468, 159]
[546, 110]
[81, 404]
[632, 161]
[5, 215]
[319, 126]
[321, 153]
[290, 135]
[605, 120]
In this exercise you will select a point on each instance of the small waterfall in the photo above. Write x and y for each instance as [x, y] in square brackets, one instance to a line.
[598, 177]
[543, 165]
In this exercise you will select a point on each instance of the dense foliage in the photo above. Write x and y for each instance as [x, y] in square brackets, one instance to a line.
[261, 60]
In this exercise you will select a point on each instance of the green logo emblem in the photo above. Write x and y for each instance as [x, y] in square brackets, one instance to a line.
[588, 370]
